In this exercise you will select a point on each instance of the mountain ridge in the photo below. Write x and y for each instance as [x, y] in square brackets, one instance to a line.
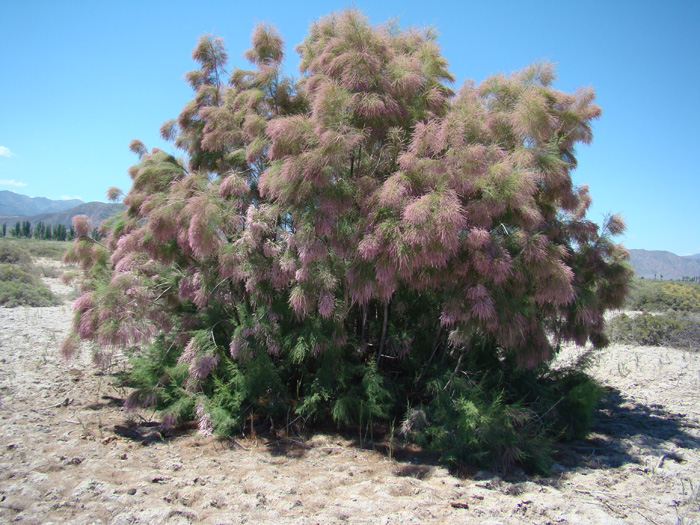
[16, 204]
[96, 212]
[15, 207]
[658, 264]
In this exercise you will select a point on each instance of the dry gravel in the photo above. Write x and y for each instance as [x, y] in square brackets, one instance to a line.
[70, 453]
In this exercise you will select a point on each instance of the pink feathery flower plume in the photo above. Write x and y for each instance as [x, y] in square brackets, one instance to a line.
[237, 346]
[84, 302]
[201, 368]
[204, 423]
[325, 304]
[81, 225]
[189, 353]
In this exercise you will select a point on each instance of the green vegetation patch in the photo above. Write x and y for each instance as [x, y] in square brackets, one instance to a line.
[13, 253]
[676, 329]
[670, 315]
[19, 281]
[661, 296]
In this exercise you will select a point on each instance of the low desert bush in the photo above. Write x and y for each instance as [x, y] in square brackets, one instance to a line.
[669, 315]
[676, 329]
[48, 271]
[660, 296]
[12, 253]
[20, 287]
[46, 249]
[20, 284]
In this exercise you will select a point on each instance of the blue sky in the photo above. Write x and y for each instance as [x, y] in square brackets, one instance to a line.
[80, 79]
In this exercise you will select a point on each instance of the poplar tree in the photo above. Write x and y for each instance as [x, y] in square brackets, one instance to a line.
[358, 241]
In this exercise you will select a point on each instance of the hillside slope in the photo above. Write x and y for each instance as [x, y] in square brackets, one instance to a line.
[652, 264]
[96, 212]
[14, 204]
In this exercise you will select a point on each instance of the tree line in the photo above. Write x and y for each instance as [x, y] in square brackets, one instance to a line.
[41, 230]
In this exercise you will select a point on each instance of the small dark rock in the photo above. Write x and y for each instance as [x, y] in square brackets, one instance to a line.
[513, 490]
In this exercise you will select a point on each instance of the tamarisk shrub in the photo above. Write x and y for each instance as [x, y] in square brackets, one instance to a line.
[358, 243]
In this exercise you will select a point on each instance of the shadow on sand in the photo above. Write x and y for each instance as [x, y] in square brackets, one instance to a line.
[622, 431]
[622, 428]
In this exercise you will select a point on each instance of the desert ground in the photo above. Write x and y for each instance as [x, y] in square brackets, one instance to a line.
[69, 452]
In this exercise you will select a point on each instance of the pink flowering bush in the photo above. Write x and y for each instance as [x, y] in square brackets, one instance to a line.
[358, 241]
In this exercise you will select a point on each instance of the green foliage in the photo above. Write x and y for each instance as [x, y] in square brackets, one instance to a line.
[669, 315]
[499, 416]
[659, 296]
[160, 381]
[677, 329]
[20, 287]
[13, 253]
[20, 284]
[574, 409]
[33, 248]
[475, 423]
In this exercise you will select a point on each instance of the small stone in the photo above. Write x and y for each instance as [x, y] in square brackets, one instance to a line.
[131, 492]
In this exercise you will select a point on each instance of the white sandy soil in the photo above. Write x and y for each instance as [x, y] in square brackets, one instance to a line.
[69, 453]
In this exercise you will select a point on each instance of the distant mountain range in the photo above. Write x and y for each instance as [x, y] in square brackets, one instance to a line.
[14, 204]
[655, 264]
[15, 207]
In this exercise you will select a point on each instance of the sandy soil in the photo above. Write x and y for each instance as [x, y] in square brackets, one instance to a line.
[70, 453]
